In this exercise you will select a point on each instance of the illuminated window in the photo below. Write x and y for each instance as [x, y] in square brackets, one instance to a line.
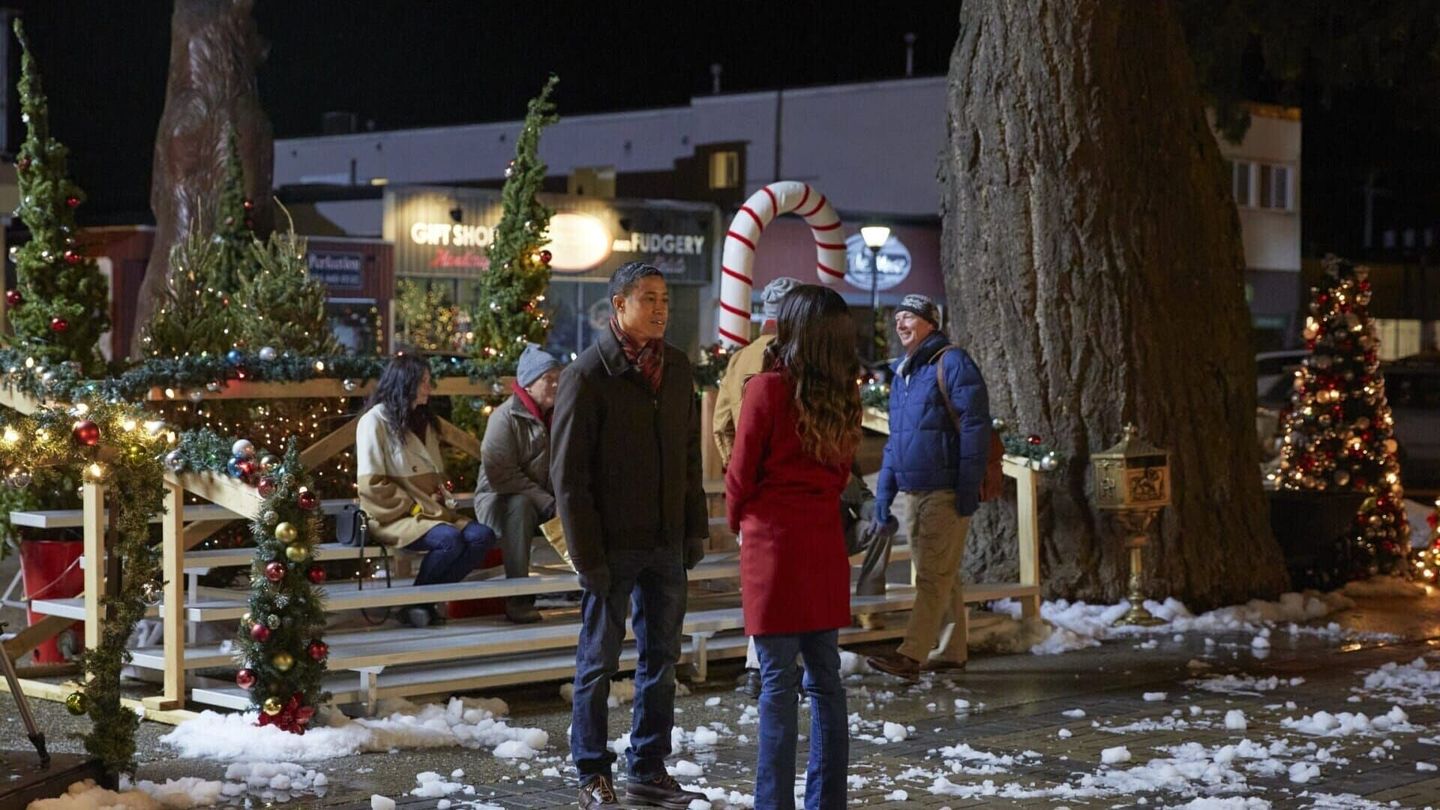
[724, 169]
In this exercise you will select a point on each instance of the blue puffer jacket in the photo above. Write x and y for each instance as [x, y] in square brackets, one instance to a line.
[925, 452]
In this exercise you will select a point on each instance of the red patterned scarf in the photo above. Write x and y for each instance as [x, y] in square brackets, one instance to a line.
[543, 417]
[648, 357]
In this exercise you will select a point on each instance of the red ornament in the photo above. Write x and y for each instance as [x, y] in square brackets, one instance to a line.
[546, 256]
[58, 324]
[316, 574]
[23, 164]
[292, 717]
[266, 487]
[245, 678]
[71, 257]
[1034, 439]
[248, 203]
[318, 650]
[275, 571]
[449, 486]
[308, 500]
[14, 298]
[86, 433]
[259, 632]
[72, 201]
[247, 467]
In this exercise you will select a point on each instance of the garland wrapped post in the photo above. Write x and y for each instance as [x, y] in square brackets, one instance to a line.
[281, 643]
[60, 307]
[111, 443]
[511, 291]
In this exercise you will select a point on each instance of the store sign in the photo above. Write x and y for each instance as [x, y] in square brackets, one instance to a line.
[336, 269]
[890, 266]
[444, 232]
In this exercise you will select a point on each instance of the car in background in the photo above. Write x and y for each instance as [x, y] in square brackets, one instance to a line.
[1412, 387]
[1275, 376]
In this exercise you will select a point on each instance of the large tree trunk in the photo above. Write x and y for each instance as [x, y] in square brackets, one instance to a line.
[1094, 266]
[214, 51]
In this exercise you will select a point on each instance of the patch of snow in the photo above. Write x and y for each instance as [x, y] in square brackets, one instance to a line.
[1116, 755]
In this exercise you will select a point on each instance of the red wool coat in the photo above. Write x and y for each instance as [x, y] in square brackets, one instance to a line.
[794, 574]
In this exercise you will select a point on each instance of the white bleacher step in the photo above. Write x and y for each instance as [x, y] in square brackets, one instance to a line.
[491, 672]
[391, 646]
[199, 562]
[75, 518]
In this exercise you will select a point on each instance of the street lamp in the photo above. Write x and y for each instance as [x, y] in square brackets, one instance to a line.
[875, 237]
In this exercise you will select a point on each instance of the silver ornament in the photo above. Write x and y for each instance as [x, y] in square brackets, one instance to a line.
[151, 593]
[270, 518]
[349, 385]
[174, 462]
[272, 621]
[212, 386]
[267, 353]
[1049, 462]
[999, 425]
[243, 448]
[196, 396]
[19, 479]
[268, 463]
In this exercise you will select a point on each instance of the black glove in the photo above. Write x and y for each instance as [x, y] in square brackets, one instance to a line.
[694, 552]
[596, 581]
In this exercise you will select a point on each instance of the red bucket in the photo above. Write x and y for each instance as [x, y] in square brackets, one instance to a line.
[51, 569]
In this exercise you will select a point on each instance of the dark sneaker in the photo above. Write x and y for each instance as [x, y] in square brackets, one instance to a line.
[415, 616]
[751, 686]
[521, 610]
[661, 792]
[598, 793]
[897, 665]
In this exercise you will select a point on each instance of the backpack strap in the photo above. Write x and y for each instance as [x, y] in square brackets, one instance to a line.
[993, 485]
[939, 361]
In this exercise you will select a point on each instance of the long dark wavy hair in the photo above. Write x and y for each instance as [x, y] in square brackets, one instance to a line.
[814, 346]
[396, 390]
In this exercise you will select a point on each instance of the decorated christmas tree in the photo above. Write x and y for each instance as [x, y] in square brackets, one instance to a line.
[512, 290]
[280, 639]
[234, 231]
[1426, 559]
[1337, 433]
[280, 306]
[428, 320]
[61, 304]
[193, 317]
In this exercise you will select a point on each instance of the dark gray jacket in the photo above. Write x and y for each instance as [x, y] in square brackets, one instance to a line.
[625, 462]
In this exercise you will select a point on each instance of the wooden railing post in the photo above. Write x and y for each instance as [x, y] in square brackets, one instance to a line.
[92, 497]
[172, 611]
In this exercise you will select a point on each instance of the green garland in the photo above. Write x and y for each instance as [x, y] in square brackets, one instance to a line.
[280, 639]
[710, 369]
[24, 372]
[112, 443]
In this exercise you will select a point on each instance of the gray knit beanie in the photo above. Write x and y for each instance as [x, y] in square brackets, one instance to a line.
[534, 362]
[774, 293]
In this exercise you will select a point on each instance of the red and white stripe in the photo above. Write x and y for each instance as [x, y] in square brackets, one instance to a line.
[738, 259]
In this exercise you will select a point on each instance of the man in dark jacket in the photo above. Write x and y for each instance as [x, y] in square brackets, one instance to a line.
[938, 446]
[625, 460]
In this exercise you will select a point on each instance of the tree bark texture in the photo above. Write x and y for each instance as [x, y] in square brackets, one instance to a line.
[1095, 271]
[215, 49]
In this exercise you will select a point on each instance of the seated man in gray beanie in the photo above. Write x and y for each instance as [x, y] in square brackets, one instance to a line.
[513, 493]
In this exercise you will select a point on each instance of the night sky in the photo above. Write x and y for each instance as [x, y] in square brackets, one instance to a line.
[409, 63]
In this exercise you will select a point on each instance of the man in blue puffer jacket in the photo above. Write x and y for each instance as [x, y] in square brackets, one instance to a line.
[936, 454]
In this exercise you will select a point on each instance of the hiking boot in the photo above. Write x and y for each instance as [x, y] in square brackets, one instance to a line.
[897, 665]
[521, 610]
[662, 791]
[598, 793]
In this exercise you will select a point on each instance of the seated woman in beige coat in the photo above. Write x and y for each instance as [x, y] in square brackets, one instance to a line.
[401, 479]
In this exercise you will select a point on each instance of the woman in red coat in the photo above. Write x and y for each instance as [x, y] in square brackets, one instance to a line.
[798, 428]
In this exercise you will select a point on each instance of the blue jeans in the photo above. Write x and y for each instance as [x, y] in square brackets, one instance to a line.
[452, 553]
[825, 785]
[652, 583]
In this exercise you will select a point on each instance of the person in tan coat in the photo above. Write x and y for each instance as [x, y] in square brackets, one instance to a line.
[400, 475]
[744, 364]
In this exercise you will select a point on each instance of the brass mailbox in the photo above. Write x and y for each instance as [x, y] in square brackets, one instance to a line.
[1132, 474]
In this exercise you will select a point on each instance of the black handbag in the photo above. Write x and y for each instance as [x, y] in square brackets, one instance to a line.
[352, 528]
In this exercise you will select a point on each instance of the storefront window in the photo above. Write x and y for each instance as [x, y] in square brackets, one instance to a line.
[580, 309]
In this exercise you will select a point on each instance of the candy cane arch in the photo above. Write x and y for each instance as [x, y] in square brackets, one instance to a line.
[738, 258]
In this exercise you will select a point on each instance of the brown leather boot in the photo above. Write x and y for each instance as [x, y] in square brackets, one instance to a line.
[598, 793]
[897, 665]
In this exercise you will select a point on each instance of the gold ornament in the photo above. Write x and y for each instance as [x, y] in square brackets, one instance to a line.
[271, 706]
[283, 661]
[296, 553]
[286, 533]
[76, 703]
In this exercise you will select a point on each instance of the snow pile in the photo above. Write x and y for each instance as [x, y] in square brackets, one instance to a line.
[1116, 755]
[1243, 684]
[1345, 724]
[1411, 684]
[465, 722]
[262, 783]
[1383, 587]
[962, 758]
[432, 785]
[1235, 720]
